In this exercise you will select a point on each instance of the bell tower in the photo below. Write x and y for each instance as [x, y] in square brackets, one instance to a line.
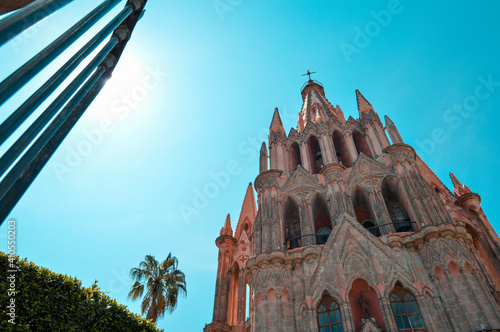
[354, 232]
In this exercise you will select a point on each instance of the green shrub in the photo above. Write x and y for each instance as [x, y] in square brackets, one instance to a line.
[47, 301]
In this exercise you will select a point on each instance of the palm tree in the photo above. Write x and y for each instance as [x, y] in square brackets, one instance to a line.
[163, 283]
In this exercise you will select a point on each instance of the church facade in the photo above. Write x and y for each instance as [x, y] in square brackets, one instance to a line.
[353, 232]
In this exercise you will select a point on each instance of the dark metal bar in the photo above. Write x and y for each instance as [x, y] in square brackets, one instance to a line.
[27, 158]
[25, 17]
[58, 129]
[17, 148]
[26, 72]
[29, 106]
[392, 223]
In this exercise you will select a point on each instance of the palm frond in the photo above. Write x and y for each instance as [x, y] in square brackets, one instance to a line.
[162, 283]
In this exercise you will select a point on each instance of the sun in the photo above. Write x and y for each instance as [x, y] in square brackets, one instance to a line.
[122, 92]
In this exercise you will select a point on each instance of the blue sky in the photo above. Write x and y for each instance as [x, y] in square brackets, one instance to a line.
[192, 99]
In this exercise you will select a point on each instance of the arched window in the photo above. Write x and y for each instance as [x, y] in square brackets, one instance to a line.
[294, 157]
[363, 212]
[292, 225]
[397, 205]
[322, 221]
[406, 311]
[360, 143]
[329, 318]
[341, 149]
[315, 156]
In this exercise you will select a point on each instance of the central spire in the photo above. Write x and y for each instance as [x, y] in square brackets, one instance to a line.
[316, 108]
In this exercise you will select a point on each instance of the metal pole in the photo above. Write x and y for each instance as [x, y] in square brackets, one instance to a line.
[27, 16]
[17, 148]
[21, 76]
[65, 122]
[19, 173]
[27, 108]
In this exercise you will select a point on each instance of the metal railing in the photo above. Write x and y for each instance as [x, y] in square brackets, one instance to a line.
[26, 157]
[298, 241]
[404, 226]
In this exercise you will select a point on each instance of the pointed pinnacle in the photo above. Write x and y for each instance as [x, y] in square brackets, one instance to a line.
[455, 181]
[276, 124]
[248, 203]
[388, 121]
[227, 230]
[363, 104]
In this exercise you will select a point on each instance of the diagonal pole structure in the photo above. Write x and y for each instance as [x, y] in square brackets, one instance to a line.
[26, 157]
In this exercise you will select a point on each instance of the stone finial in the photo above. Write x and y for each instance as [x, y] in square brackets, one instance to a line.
[393, 131]
[364, 105]
[227, 230]
[459, 188]
[263, 158]
[276, 124]
[388, 122]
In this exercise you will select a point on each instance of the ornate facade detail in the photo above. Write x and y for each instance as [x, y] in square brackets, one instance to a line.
[350, 230]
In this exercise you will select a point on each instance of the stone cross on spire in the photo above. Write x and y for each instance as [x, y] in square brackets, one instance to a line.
[309, 74]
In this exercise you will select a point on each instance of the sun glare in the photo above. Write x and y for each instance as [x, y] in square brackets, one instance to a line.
[123, 92]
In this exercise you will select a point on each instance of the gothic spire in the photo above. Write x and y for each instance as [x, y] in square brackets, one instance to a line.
[227, 230]
[388, 122]
[393, 131]
[316, 108]
[458, 188]
[364, 105]
[248, 213]
[276, 124]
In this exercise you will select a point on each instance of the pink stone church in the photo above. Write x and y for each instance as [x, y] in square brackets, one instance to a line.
[352, 232]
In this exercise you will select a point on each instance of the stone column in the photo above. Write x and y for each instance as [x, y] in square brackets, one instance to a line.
[279, 314]
[449, 315]
[451, 285]
[306, 162]
[390, 322]
[242, 290]
[486, 293]
[425, 314]
[353, 153]
[372, 138]
[313, 226]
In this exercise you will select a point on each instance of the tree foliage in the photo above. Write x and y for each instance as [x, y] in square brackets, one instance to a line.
[162, 284]
[47, 301]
